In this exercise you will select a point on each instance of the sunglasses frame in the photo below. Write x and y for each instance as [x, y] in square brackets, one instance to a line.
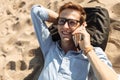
[68, 21]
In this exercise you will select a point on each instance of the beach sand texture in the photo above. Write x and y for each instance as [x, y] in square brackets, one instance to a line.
[20, 57]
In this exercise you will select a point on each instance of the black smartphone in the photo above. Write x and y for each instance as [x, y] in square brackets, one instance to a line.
[77, 38]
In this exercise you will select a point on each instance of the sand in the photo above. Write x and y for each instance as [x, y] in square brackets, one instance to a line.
[20, 57]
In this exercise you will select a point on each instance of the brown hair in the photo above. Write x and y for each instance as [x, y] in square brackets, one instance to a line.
[74, 6]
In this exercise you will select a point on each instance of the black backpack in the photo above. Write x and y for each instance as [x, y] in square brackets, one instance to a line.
[98, 24]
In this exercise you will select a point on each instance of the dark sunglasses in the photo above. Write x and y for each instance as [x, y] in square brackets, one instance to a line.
[70, 22]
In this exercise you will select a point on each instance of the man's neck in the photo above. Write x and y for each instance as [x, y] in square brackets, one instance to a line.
[66, 46]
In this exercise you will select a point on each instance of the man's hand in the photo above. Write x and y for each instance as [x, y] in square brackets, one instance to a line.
[85, 42]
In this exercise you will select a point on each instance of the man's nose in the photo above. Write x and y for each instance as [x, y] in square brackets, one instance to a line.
[66, 25]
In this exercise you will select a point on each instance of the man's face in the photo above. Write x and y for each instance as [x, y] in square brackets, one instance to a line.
[68, 21]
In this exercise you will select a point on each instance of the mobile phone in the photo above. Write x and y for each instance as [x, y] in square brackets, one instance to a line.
[77, 38]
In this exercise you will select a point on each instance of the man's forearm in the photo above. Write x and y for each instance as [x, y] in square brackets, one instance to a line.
[102, 71]
[52, 15]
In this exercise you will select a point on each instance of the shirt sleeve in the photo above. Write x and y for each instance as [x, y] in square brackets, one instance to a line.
[39, 15]
[102, 56]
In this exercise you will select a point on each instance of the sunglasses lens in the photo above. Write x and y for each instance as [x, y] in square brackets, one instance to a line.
[61, 21]
[72, 23]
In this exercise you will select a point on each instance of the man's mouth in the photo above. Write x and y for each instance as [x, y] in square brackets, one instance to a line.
[65, 33]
